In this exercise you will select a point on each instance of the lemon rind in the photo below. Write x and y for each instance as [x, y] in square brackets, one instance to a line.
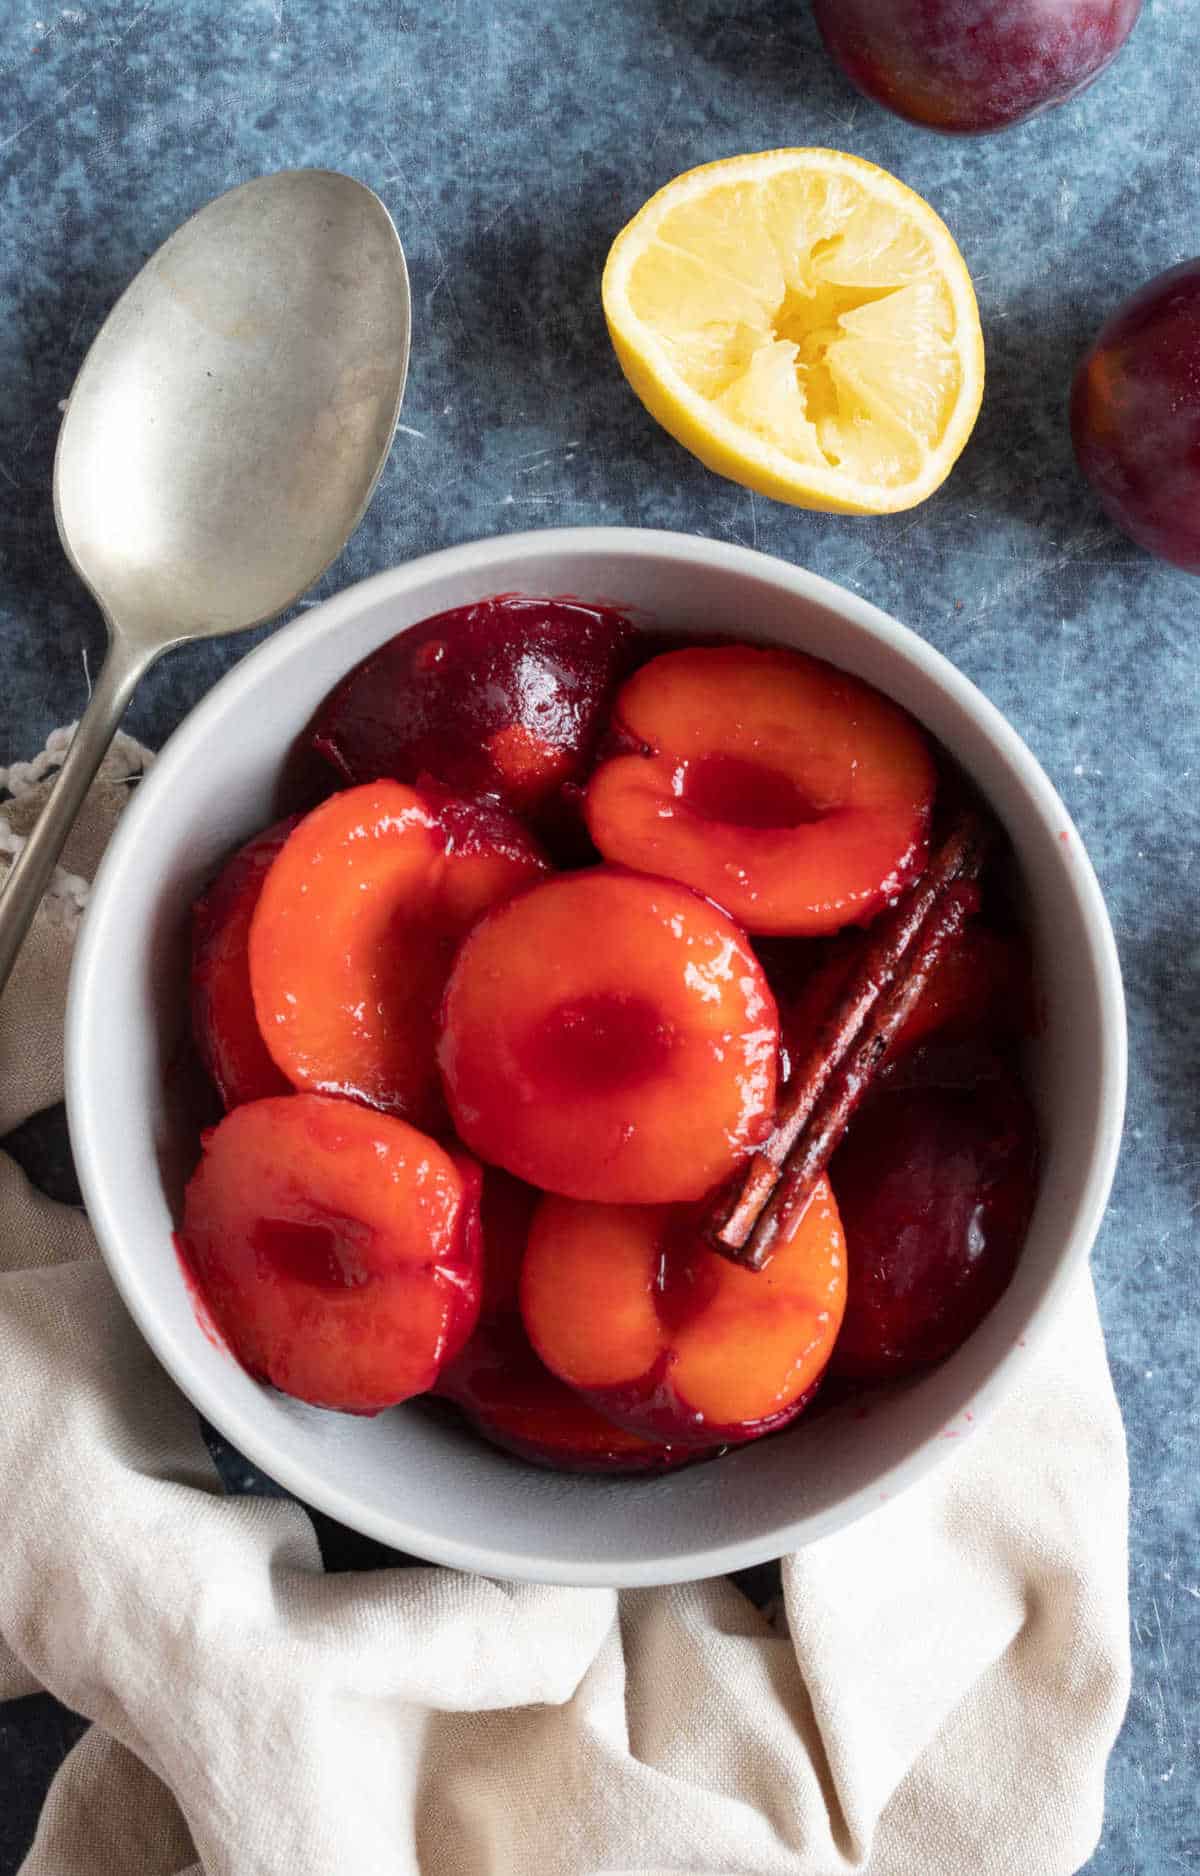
[716, 440]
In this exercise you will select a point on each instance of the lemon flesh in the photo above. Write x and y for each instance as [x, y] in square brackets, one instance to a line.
[803, 323]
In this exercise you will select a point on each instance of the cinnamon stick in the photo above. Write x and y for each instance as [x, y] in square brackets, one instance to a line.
[852, 1079]
[881, 977]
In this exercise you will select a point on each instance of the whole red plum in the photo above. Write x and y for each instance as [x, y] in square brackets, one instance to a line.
[1135, 416]
[972, 65]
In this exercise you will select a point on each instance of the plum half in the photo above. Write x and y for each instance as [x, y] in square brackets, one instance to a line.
[610, 1037]
[936, 1185]
[356, 928]
[506, 697]
[224, 1026]
[669, 1339]
[507, 1393]
[339, 1250]
[787, 791]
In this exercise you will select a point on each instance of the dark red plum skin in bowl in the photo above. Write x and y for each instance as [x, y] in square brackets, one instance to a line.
[135, 1128]
[608, 1043]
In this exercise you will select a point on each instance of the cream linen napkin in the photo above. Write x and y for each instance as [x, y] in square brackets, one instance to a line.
[938, 1695]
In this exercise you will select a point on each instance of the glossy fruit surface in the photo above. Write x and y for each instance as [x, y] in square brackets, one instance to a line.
[513, 1400]
[356, 929]
[506, 1210]
[791, 793]
[506, 1392]
[224, 1027]
[504, 697]
[980, 987]
[973, 65]
[936, 1185]
[1135, 416]
[338, 1249]
[804, 324]
[673, 1341]
[610, 1036]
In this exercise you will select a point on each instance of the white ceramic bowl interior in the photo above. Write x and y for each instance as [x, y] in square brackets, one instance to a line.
[429, 1488]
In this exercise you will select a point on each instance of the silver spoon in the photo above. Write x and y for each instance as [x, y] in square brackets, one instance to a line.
[221, 443]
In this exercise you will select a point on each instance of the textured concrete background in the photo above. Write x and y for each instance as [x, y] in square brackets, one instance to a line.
[511, 143]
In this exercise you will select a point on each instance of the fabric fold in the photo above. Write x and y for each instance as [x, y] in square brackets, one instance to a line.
[938, 1692]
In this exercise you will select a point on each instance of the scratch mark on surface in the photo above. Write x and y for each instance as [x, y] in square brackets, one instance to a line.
[74, 332]
[54, 110]
[547, 449]
[51, 110]
[499, 215]
[566, 451]
[10, 479]
[439, 254]
[1027, 573]
[667, 117]
[540, 501]
[408, 430]
[844, 120]
[1162, 1640]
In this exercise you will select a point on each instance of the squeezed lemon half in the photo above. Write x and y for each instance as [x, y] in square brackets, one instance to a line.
[804, 324]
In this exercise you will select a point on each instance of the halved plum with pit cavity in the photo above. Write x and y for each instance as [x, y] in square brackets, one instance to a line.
[502, 1387]
[338, 1249]
[505, 697]
[790, 793]
[355, 930]
[610, 1037]
[664, 1336]
[936, 1186]
[224, 1027]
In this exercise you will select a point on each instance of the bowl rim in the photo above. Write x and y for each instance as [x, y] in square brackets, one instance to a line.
[98, 1186]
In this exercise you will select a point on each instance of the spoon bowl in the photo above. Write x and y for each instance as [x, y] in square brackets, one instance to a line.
[230, 421]
[221, 443]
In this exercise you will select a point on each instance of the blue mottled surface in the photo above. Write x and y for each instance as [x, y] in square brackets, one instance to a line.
[511, 143]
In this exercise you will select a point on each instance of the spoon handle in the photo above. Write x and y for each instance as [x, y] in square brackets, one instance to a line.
[31, 871]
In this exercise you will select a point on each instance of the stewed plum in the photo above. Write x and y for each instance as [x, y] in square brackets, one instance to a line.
[400, 979]
[609, 1036]
[339, 1249]
[672, 1341]
[507, 1393]
[973, 65]
[787, 791]
[224, 1026]
[936, 1184]
[506, 697]
[355, 930]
